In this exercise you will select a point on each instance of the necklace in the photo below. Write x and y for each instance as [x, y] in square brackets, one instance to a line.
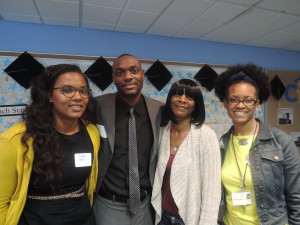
[177, 138]
[243, 176]
[244, 141]
[173, 146]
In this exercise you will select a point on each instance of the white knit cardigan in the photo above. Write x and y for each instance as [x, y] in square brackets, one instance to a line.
[195, 176]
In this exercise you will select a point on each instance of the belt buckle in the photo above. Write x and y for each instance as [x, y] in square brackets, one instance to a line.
[144, 195]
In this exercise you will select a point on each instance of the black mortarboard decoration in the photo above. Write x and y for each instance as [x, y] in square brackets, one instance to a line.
[206, 76]
[100, 72]
[24, 69]
[277, 87]
[158, 75]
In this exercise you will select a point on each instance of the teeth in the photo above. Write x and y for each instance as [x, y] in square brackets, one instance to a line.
[240, 113]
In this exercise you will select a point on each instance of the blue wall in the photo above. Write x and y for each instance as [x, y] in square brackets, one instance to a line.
[36, 38]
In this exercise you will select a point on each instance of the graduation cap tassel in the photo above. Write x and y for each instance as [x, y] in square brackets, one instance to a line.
[6, 78]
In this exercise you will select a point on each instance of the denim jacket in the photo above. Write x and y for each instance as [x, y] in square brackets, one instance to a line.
[275, 168]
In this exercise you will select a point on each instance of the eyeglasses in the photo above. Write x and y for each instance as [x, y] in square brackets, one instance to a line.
[69, 91]
[121, 72]
[247, 102]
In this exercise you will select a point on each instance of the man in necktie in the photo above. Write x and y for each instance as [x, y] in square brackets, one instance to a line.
[129, 126]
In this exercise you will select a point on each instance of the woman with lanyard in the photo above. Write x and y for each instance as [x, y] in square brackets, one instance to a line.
[260, 164]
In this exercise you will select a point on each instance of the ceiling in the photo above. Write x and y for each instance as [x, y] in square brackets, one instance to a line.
[263, 23]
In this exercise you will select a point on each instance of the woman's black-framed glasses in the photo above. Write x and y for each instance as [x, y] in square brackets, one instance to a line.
[247, 102]
[69, 91]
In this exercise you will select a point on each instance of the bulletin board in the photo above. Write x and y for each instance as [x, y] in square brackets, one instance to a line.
[288, 103]
[14, 94]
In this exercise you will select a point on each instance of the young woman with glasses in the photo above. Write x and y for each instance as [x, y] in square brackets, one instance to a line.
[260, 164]
[48, 162]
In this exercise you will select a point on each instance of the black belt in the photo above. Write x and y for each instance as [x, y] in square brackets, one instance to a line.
[119, 198]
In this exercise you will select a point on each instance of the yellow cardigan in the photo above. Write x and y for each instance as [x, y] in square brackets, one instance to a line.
[15, 171]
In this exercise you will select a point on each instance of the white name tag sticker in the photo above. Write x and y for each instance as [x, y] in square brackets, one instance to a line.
[102, 131]
[241, 198]
[83, 159]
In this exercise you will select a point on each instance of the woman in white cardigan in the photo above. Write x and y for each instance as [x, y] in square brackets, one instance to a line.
[187, 184]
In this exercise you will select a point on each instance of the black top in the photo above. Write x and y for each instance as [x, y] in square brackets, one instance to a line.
[73, 211]
[116, 178]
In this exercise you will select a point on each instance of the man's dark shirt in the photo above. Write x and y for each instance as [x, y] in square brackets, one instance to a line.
[116, 179]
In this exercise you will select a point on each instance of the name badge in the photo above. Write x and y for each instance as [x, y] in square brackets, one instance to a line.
[241, 198]
[83, 159]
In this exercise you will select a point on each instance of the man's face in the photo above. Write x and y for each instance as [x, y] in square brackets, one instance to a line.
[128, 76]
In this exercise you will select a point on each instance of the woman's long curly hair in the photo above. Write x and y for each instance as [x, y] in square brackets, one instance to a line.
[41, 125]
[256, 77]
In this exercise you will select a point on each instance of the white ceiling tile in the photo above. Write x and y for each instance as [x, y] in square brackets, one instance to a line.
[155, 6]
[244, 2]
[18, 7]
[280, 21]
[96, 25]
[161, 31]
[183, 34]
[293, 29]
[58, 9]
[190, 9]
[253, 17]
[136, 18]
[294, 9]
[21, 18]
[225, 31]
[234, 40]
[171, 22]
[266, 23]
[216, 39]
[280, 38]
[222, 12]
[108, 3]
[67, 0]
[132, 29]
[278, 5]
[60, 21]
[201, 27]
[101, 14]
[262, 44]
[251, 34]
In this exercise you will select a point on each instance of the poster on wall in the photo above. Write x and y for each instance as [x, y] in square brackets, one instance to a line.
[285, 116]
[11, 93]
[12, 110]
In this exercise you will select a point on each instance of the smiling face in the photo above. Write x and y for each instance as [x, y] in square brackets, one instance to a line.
[65, 108]
[240, 113]
[182, 107]
[128, 76]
